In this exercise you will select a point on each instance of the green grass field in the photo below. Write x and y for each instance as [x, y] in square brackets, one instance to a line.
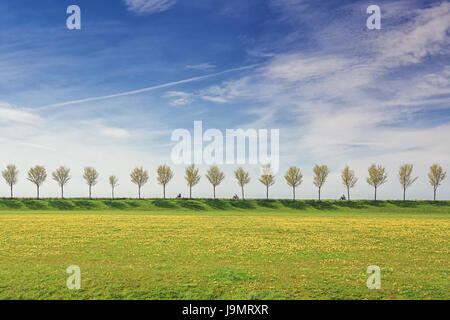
[223, 249]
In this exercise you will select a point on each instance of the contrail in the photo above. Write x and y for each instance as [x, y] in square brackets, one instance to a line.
[127, 93]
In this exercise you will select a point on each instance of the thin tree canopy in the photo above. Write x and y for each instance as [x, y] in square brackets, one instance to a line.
[139, 176]
[435, 177]
[405, 177]
[90, 175]
[320, 175]
[293, 178]
[242, 178]
[349, 179]
[377, 176]
[192, 177]
[62, 177]
[165, 174]
[267, 178]
[215, 177]
[11, 176]
[37, 175]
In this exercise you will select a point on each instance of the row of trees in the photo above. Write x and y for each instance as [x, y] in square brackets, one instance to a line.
[377, 176]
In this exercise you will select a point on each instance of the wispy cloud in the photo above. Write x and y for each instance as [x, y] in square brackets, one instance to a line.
[426, 34]
[11, 114]
[201, 66]
[133, 92]
[214, 99]
[114, 132]
[179, 98]
[352, 105]
[149, 6]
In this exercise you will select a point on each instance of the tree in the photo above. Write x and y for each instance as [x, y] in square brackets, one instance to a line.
[348, 179]
[377, 176]
[405, 177]
[10, 174]
[267, 178]
[139, 176]
[192, 177]
[37, 175]
[113, 182]
[165, 174]
[435, 177]
[62, 177]
[215, 177]
[91, 176]
[294, 178]
[320, 176]
[242, 178]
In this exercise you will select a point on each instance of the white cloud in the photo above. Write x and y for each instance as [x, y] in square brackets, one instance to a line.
[295, 67]
[427, 34]
[10, 114]
[179, 98]
[215, 99]
[201, 66]
[114, 132]
[149, 6]
[434, 80]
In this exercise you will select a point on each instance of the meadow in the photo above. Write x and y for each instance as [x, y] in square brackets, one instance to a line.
[223, 249]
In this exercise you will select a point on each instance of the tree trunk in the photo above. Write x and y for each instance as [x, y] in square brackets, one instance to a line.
[319, 193]
[434, 194]
[404, 193]
[37, 187]
[293, 193]
[112, 193]
[139, 192]
[190, 192]
[214, 188]
[348, 193]
[375, 193]
[11, 191]
[267, 192]
[90, 192]
[164, 191]
[242, 187]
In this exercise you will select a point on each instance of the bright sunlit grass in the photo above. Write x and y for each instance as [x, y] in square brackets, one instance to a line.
[296, 251]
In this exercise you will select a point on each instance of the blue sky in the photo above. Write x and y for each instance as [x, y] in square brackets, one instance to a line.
[339, 93]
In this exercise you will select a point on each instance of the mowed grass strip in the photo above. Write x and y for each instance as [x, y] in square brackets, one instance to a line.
[226, 207]
[156, 256]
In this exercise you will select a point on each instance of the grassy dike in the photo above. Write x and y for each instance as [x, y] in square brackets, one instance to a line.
[225, 206]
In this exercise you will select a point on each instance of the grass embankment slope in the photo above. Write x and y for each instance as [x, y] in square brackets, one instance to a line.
[223, 249]
[227, 207]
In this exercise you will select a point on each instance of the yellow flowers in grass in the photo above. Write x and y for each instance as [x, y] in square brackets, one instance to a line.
[208, 256]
